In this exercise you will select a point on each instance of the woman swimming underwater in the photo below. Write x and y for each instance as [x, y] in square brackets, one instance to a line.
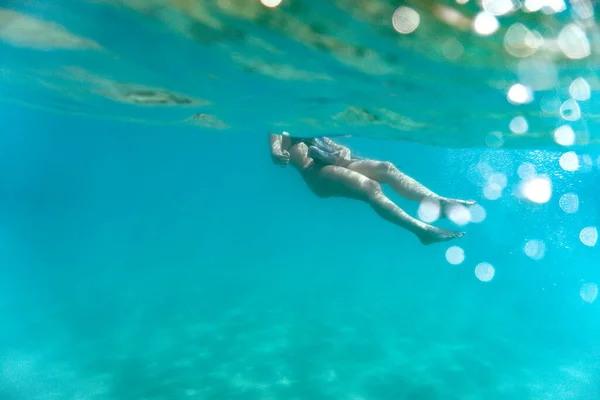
[330, 170]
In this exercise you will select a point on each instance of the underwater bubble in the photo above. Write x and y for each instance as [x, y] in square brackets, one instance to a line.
[492, 191]
[589, 236]
[494, 139]
[458, 213]
[573, 42]
[570, 111]
[452, 49]
[589, 292]
[455, 255]
[478, 213]
[537, 74]
[499, 7]
[519, 94]
[569, 161]
[564, 135]
[405, 20]
[580, 89]
[429, 210]
[569, 203]
[535, 249]
[270, 3]
[537, 189]
[484, 272]
[526, 170]
[519, 125]
[485, 23]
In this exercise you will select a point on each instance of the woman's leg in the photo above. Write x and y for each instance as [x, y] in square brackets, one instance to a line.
[386, 173]
[341, 182]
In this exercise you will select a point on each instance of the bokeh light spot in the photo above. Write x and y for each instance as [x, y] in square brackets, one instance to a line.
[429, 210]
[580, 89]
[570, 111]
[569, 203]
[492, 191]
[586, 163]
[478, 213]
[526, 170]
[583, 8]
[519, 94]
[455, 255]
[548, 6]
[271, 3]
[589, 292]
[484, 272]
[518, 125]
[573, 42]
[485, 23]
[405, 20]
[458, 214]
[484, 169]
[535, 249]
[564, 135]
[519, 41]
[498, 7]
[589, 236]
[452, 49]
[499, 179]
[494, 139]
[569, 161]
[537, 189]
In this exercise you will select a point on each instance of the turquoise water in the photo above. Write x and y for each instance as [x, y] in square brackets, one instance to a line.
[237, 65]
[141, 263]
[146, 257]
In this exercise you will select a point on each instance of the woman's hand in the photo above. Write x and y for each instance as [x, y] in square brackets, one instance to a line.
[343, 157]
[284, 158]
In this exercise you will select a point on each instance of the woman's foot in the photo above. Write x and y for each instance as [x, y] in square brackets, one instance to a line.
[435, 235]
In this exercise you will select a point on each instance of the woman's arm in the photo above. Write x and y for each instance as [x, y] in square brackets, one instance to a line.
[278, 154]
[344, 152]
[324, 157]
